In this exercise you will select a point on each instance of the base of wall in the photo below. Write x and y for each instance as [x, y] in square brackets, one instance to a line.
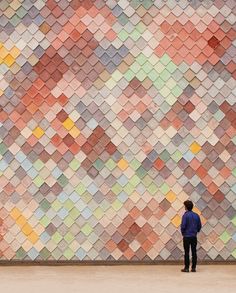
[108, 263]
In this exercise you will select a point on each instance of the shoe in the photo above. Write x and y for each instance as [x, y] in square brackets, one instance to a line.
[193, 270]
[185, 270]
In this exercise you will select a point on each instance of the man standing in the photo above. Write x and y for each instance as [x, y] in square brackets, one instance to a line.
[190, 226]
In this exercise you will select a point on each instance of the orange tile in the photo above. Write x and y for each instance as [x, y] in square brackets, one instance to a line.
[171, 51]
[93, 11]
[195, 164]
[207, 35]
[213, 26]
[225, 172]
[207, 180]
[62, 148]
[226, 42]
[159, 51]
[20, 124]
[201, 59]
[165, 43]
[195, 35]
[111, 35]
[32, 140]
[129, 253]
[177, 43]
[177, 59]
[195, 51]
[110, 245]
[183, 35]
[212, 188]
[213, 59]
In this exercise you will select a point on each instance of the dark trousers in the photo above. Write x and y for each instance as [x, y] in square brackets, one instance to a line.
[190, 241]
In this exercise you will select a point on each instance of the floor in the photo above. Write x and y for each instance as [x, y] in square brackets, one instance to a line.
[114, 279]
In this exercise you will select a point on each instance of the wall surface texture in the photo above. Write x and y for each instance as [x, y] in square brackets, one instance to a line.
[112, 113]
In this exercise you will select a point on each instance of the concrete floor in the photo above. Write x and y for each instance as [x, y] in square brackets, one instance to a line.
[114, 279]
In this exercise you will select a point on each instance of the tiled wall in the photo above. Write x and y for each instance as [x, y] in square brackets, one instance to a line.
[112, 114]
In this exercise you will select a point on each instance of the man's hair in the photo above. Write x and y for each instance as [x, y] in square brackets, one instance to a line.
[189, 205]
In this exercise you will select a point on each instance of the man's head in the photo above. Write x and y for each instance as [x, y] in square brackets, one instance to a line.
[188, 205]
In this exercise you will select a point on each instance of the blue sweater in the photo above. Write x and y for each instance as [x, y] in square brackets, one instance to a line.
[191, 224]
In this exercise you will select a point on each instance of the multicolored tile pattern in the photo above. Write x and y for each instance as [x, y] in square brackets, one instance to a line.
[112, 114]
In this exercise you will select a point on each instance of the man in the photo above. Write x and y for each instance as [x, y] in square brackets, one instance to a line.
[190, 226]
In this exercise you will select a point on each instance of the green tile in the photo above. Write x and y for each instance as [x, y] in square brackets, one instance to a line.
[177, 156]
[45, 205]
[74, 213]
[68, 253]
[56, 205]
[87, 229]
[110, 164]
[135, 35]
[234, 220]
[129, 188]
[135, 164]
[123, 35]
[68, 205]
[45, 253]
[21, 253]
[147, 67]
[117, 205]
[56, 237]
[116, 188]
[141, 27]
[164, 188]
[135, 180]
[165, 59]
[141, 172]
[80, 189]
[152, 188]
[225, 237]
[74, 164]
[165, 156]
[177, 91]
[98, 213]
[62, 180]
[147, 180]
[45, 221]
[38, 165]
[141, 59]
[69, 237]
[68, 221]
[141, 75]
[3, 148]
[38, 181]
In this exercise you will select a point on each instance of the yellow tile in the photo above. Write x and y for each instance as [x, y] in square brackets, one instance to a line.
[197, 211]
[15, 52]
[68, 123]
[3, 52]
[176, 221]
[74, 132]
[27, 229]
[123, 164]
[38, 132]
[9, 60]
[21, 221]
[171, 196]
[15, 213]
[33, 237]
[195, 147]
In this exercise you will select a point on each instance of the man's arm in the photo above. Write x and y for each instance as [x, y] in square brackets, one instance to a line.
[183, 224]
